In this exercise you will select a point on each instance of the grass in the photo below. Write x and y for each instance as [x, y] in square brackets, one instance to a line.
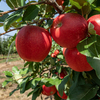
[11, 57]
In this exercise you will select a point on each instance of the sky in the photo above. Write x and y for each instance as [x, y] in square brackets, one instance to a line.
[5, 7]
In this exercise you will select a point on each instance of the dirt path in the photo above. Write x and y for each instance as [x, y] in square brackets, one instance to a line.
[4, 92]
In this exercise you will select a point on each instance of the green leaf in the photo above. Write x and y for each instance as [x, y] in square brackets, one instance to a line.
[54, 81]
[30, 93]
[2, 19]
[21, 2]
[98, 93]
[83, 92]
[91, 29]
[90, 46]
[78, 3]
[75, 81]
[18, 77]
[6, 82]
[86, 9]
[52, 61]
[81, 88]
[23, 85]
[97, 3]
[10, 19]
[35, 82]
[66, 2]
[75, 3]
[56, 97]
[24, 71]
[83, 5]
[95, 64]
[30, 13]
[44, 81]
[50, 81]
[94, 77]
[30, 67]
[36, 93]
[90, 1]
[14, 91]
[27, 63]
[15, 69]
[61, 87]
[60, 56]
[28, 85]
[49, 23]
[15, 3]
[58, 69]
[8, 74]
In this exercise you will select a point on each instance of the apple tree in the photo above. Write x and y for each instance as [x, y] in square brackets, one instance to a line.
[60, 43]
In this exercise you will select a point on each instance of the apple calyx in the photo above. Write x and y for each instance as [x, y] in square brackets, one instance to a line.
[91, 29]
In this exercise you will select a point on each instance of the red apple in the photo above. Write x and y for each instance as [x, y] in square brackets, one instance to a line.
[53, 55]
[95, 20]
[64, 49]
[63, 97]
[76, 60]
[43, 92]
[56, 52]
[58, 59]
[48, 90]
[33, 43]
[62, 74]
[69, 29]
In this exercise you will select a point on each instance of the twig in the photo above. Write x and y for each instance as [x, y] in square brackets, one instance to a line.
[55, 5]
[41, 21]
[10, 30]
[15, 9]
[48, 69]
[82, 12]
[35, 21]
[86, 16]
[50, 2]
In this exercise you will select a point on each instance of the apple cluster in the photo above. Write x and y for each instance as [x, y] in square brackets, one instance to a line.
[68, 30]
[33, 43]
[52, 89]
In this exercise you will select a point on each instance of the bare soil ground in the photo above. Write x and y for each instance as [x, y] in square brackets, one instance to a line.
[4, 92]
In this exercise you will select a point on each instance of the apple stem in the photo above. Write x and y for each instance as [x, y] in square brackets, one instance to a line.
[58, 25]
